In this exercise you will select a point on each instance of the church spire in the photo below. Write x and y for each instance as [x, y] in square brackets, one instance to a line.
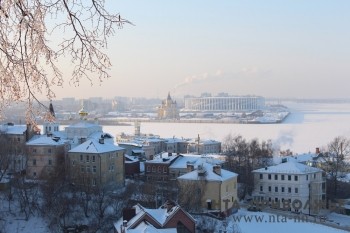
[52, 112]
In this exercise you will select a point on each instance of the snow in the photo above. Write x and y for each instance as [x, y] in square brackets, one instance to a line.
[290, 167]
[209, 174]
[307, 127]
[269, 223]
[94, 146]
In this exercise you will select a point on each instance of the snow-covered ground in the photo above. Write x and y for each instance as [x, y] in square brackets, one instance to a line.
[252, 222]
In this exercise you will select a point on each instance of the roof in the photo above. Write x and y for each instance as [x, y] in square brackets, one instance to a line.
[146, 227]
[163, 158]
[290, 167]
[210, 175]
[13, 129]
[195, 160]
[44, 140]
[161, 216]
[94, 146]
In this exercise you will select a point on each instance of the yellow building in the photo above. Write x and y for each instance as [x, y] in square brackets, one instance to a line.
[215, 188]
[168, 109]
[96, 163]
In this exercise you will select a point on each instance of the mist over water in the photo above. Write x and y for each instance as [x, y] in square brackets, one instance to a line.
[308, 126]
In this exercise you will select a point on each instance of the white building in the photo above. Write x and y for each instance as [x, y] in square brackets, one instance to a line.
[224, 103]
[290, 183]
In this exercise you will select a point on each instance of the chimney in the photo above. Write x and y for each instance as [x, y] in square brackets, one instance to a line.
[102, 140]
[317, 150]
[128, 214]
[190, 167]
[217, 169]
[169, 204]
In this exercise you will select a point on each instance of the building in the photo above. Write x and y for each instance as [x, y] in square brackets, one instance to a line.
[132, 166]
[209, 188]
[224, 103]
[181, 165]
[203, 146]
[13, 139]
[169, 218]
[96, 163]
[45, 155]
[158, 168]
[168, 109]
[290, 182]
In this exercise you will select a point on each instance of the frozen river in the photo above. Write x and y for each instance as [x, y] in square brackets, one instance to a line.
[308, 126]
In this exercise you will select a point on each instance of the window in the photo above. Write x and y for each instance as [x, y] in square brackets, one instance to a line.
[50, 162]
[307, 177]
[282, 189]
[164, 170]
[296, 178]
[88, 169]
[261, 188]
[315, 176]
[289, 177]
[87, 158]
[81, 158]
[49, 151]
[289, 189]
[148, 168]
[34, 174]
[111, 167]
[94, 169]
[296, 190]
[82, 168]
[269, 188]
[159, 169]
[73, 162]
[276, 189]
[269, 176]
[282, 177]
[34, 162]
[93, 182]
[276, 177]
[153, 169]
[93, 158]
[34, 150]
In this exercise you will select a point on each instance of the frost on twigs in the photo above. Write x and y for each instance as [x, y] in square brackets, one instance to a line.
[35, 34]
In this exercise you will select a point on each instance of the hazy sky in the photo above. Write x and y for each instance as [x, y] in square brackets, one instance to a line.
[289, 48]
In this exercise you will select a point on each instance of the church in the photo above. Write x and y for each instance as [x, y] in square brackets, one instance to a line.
[168, 109]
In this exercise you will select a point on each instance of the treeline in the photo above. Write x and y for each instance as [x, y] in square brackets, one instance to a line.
[244, 156]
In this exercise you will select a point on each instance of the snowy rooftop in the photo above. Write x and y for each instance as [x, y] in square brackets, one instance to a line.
[290, 167]
[160, 215]
[94, 146]
[145, 227]
[44, 140]
[195, 160]
[13, 129]
[163, 158]
[210, 175]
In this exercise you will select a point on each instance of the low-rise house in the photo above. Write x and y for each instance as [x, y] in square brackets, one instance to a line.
[290, 182]
[96, 163]
[208, 187]
[158, 168]
[169, 218]
[185, 161]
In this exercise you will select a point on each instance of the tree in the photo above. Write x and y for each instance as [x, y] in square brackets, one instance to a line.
[29, 60]
[335, 162]
[245, 156]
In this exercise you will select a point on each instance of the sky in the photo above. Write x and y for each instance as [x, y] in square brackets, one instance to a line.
[271, 48]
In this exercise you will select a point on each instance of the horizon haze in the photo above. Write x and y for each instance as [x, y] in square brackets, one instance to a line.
[294, 49]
